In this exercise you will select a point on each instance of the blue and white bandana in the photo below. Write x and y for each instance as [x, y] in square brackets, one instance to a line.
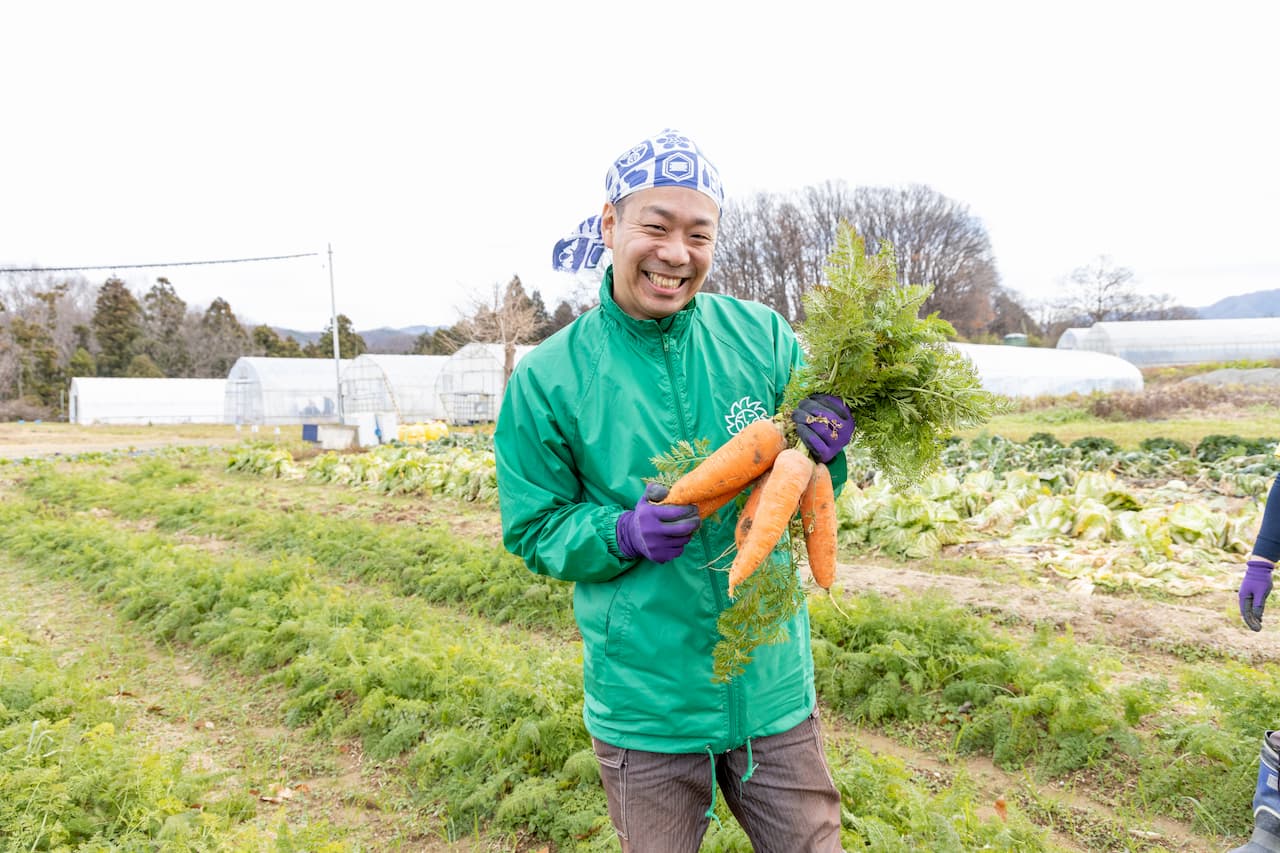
[669, 159]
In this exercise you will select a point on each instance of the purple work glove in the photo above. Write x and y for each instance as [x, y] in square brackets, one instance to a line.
[1254, 590]
[824, 425]
[656, 532]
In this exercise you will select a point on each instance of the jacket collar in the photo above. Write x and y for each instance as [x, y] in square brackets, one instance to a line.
[675, 326]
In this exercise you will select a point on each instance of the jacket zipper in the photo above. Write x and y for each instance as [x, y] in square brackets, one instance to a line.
[733, 699]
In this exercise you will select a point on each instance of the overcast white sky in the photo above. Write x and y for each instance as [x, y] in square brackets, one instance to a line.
[442, 148]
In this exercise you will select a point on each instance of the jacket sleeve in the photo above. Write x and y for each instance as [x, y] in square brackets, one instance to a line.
[546, 521]
[1267, 545]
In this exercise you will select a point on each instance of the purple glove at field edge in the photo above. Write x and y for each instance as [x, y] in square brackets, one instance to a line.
[824, 424]
[1254, 590]
[656, 532]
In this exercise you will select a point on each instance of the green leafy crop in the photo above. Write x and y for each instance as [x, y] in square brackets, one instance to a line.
[865, 342]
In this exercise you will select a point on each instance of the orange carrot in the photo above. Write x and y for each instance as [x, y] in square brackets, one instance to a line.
[747, 517]
[818, 519]
[712, 505]
[732, 466]
[778, 502]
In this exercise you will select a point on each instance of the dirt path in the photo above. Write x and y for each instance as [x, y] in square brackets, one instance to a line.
[1184, 630]
[19, 440]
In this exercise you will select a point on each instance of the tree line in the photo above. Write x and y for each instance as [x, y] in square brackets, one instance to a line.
[771, 248]
[53, 329]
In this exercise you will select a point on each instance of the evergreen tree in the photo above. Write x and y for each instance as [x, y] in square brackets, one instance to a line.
[350, 344]
[142, 367]
[267, 341]
[563, 316]
[163, 316]
[81, 364]
[117, 325]
[441, 341]
[40, 376]
[219, 340]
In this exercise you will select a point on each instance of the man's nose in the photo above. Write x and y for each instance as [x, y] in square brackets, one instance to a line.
[674, 251]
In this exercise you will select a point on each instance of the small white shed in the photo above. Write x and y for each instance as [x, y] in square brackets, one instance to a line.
[471, 384]
[1044, 372]
[404, 384]
[128, 400]
[275, 391]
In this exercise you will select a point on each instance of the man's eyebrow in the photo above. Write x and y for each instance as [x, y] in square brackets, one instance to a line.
[659, 210]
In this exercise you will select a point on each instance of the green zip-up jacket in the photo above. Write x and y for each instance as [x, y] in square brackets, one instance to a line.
[583, 416]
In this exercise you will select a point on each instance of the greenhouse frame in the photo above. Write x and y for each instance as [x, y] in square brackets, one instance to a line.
[471, 384]
[1046, 372]
[1157, 343]
[403, 384]
[130, 400]
[277, 391]
[1071, 338]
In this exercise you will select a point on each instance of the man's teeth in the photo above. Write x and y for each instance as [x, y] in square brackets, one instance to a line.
[664, 282]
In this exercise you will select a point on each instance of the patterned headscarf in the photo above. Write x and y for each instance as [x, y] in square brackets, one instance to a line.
[668, 159]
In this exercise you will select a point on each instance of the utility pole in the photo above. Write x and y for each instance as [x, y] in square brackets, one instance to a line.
[333, 319]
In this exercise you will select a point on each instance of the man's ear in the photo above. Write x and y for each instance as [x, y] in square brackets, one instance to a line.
[608, 222]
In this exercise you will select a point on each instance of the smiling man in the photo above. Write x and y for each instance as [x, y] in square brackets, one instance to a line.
[585, 412]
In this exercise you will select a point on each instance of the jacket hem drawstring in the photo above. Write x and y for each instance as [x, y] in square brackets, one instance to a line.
[711, 809]
[742, 782]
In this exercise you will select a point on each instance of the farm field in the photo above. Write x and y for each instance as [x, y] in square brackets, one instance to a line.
[213, 644]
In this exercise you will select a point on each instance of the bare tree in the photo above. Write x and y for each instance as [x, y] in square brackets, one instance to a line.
[509, 317]
[937, 243]
[1099, 291]
[1103, 290]
[773, 248]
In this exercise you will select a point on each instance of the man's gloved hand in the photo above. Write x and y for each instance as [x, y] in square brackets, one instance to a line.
[824, 424]
[1254, 590]
[656, 532]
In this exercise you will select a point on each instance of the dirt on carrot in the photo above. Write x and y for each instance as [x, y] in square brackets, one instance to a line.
[779, 499]
[732, 466]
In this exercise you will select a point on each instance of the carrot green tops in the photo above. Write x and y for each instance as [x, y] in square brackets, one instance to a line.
[583, 416]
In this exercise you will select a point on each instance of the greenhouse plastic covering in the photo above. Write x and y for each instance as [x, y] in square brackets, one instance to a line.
[1071, 338]
[262, 390]
[127, 400]
[1151, 343]
[403, 384]
[472, 381]
[1042, 372]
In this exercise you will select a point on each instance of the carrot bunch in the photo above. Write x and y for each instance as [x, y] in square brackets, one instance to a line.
[784, 480]
[866, 343]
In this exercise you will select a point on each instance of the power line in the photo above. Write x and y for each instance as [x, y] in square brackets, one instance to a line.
[145, 266]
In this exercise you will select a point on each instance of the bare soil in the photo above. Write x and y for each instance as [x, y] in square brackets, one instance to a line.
[19, 440]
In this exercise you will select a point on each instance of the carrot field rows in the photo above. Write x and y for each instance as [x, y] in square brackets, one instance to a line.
[282, 650]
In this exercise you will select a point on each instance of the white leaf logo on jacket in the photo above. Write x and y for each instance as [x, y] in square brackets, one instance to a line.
[743, 412]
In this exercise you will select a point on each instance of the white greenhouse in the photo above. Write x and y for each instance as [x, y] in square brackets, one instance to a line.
[1044, 372]
[276, 391]
[1154, 343]
[126, 400]
[1071, 338]
[403, 384]
[472, 381]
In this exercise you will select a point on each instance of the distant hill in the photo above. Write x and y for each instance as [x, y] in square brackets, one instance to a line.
[386, 340]
[381, 340]
[1263, 303]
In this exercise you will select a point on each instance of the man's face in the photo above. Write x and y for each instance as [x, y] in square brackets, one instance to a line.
[662, 240]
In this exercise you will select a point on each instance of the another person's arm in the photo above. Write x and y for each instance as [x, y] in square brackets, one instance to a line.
[1256, 584]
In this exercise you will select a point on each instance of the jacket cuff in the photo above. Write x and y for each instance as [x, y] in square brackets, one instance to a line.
[607, 528]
